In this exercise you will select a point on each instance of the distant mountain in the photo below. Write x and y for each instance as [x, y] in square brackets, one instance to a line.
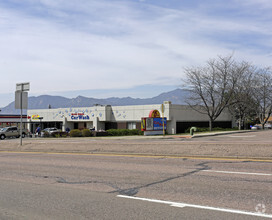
[176, 96]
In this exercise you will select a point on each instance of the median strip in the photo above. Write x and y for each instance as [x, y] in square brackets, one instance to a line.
[120, 154]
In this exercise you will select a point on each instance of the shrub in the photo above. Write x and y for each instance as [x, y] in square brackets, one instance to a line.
[86, 133]
[123, 132]
[113, 132]
[45, 134]
[75, 133]
[201, 129]
[135, 132]
[58, 134]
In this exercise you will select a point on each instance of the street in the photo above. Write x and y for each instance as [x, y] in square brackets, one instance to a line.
[71, 186]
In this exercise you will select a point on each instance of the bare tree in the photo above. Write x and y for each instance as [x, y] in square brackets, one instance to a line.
[211, 87]
[262, 94]
[242, 105]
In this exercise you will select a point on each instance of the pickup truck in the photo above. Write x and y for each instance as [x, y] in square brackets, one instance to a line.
[12, 132]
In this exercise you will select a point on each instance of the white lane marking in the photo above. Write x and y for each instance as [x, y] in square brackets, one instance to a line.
[183, 205]
[243, 173]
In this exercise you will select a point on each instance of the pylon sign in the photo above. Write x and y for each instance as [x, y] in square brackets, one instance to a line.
[154, 122]
[21, 100]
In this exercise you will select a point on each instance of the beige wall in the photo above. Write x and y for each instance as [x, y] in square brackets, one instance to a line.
[186, 113]
[98, 115]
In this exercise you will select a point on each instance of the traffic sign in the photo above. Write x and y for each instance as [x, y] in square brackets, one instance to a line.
[23, 87]
[21, 100]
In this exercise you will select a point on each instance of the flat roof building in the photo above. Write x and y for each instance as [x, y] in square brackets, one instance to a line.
[11, 120]
[179, 117]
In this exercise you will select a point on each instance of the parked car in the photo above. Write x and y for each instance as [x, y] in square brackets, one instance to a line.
[256, 127]
[268, 126]
[12, 132]
[51, 130]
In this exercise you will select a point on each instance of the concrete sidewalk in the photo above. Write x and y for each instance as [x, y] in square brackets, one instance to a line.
[175, 136]
[196, 135]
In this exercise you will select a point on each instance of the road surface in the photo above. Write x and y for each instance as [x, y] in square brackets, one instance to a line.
[69, 186]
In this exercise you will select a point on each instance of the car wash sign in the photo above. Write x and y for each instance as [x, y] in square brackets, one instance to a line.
[79, 116]
[154, 122]
[158, 124]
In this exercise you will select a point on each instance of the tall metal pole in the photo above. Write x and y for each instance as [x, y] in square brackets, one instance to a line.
[21, 92]
[21, 123]
[163, 130]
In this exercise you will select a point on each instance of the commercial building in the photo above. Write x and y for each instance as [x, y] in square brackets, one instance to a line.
[12, 120]
[179, 117]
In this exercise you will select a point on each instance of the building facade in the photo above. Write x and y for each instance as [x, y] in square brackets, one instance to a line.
[179, 117]
[12, 120]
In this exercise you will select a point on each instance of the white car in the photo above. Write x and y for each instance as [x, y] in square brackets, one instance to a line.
[49, 131]
[268, 126]
[256, 127]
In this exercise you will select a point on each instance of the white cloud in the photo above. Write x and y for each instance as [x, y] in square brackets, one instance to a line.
[77, 45]
[256, 4]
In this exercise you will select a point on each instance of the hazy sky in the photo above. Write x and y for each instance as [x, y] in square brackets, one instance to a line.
[123, 47]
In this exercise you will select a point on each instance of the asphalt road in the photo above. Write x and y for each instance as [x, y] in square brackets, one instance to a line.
[69, 186]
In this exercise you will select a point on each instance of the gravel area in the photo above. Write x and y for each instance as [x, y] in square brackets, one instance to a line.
[241, 145]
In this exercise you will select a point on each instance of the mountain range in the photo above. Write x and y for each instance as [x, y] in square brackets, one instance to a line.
[176, 96]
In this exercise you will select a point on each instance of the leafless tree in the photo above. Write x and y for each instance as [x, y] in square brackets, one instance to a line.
[262, 94]
[242, 105]
[211, 87]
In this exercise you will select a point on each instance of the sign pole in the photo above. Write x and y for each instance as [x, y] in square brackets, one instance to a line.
[21, 103]
[163, 130]
[21, 123]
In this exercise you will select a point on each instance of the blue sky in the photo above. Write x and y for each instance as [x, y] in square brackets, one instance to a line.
[137, 48]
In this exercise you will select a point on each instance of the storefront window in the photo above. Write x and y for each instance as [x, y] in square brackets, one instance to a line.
[131, 125]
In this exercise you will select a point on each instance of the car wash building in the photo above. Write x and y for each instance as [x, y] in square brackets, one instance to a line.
[104, 117]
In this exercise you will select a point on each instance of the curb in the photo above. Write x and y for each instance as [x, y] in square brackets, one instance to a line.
[220, 133]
